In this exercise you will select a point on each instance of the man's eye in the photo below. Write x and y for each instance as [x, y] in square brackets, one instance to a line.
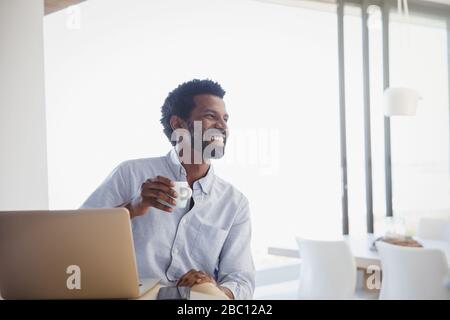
[210, 116]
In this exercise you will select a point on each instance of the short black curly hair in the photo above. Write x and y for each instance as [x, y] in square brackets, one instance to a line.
[180, 101]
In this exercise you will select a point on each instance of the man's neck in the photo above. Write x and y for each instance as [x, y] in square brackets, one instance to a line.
[195, 171]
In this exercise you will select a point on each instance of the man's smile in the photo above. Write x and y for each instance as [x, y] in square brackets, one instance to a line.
[219, 139]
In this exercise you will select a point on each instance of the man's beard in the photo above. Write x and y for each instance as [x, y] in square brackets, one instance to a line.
[209, 148]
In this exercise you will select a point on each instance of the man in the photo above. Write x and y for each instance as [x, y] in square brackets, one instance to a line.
[209, 240]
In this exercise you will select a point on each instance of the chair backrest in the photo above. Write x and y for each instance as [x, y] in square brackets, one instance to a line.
[412, 273]
[328, 270]
[433, 229]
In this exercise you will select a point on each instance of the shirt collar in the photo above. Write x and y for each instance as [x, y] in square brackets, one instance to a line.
[176, 167]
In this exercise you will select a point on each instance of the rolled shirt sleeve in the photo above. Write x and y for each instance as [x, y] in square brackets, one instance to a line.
[236, 269]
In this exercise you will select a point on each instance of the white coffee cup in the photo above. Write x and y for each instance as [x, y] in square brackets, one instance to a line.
[184, 193]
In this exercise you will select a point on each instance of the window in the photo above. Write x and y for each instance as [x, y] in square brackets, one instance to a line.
[106, 82]
[418, 58]
[420, 144]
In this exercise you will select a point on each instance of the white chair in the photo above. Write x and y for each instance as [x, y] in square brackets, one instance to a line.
[433, 229]
[412, 273]
[328, 270]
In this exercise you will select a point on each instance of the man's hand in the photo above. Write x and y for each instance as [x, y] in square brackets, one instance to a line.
[152, 190]
[194, 277]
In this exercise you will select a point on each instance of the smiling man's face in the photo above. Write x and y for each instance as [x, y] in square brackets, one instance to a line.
[211, 112]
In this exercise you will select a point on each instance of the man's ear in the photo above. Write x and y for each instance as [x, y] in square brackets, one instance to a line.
[176, 123]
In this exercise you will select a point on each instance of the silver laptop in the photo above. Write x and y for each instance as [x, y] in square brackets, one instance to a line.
[78, 254]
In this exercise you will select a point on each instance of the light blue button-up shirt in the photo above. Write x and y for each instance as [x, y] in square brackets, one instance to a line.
[214, 236]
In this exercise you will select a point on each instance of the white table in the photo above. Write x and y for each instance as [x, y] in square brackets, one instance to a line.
[152, 294]
[360, 246]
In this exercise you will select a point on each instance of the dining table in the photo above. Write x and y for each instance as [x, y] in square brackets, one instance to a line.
[362, 247]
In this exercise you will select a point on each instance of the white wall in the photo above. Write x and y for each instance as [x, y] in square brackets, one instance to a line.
[23, 154]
